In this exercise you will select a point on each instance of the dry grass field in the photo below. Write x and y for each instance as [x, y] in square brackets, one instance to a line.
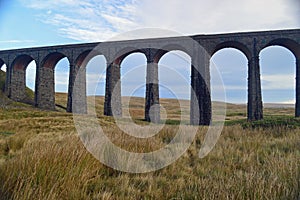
[42, 157]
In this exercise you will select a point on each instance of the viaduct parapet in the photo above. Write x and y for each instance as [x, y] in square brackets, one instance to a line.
[46, 58]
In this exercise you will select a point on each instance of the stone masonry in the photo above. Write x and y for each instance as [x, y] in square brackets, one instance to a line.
[46, 58]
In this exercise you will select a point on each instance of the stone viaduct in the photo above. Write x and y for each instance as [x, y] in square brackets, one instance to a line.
[249, 43]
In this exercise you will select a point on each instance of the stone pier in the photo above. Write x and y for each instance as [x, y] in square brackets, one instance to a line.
[297, 109]
[113, 104]
[152, 106]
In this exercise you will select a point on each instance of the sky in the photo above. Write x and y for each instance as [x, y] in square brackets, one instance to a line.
[30, 23]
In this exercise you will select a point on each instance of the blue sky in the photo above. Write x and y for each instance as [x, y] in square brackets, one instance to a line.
[28, 23]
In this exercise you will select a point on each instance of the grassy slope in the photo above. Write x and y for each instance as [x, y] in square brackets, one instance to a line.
[6, 102]
[41, 157]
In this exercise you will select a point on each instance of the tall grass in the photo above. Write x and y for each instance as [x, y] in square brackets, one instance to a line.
[245, 164]
[41, 157]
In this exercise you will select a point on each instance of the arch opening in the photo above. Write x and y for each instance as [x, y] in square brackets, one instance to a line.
[53, 81]
[95, 83]
[133, 80]
[30, 81]
[232, 65]
[61, 81]
[2, 65]
[278, 80]
[174, 71]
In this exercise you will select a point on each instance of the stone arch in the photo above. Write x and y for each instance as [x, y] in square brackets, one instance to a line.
[290, 44]
[18, 78]
[233, 44]
[84, 57]
[45, 94]
[169, 48]
[122, 54]
[52, 59]
[21, 62]
[77, 101]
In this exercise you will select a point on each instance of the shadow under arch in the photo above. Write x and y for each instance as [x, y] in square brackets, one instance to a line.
[3, 76]
[18, 79]
[1, 63]
[45, 85]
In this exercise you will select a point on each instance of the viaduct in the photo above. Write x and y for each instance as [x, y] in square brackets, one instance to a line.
[249, 43]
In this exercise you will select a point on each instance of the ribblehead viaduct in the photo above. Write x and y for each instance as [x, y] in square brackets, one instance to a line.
[199, 47]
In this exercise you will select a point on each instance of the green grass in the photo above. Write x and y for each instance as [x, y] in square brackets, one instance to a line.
[6, 133]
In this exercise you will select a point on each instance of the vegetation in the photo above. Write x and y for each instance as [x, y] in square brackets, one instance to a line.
[42, 157]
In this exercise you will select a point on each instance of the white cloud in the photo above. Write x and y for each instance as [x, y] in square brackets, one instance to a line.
[278, 82]
[92, 20]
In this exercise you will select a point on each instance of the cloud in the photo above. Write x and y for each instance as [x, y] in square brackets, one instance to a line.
[86, 21]
[196, 16]
[278, 82]
[92, 20]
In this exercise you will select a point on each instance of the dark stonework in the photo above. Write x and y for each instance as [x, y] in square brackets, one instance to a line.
[45, 93]
[194, 105]
[18, 85]
[201, 105]
[113, 104]
[200, 89]
[250, 43]
[297, 110]
[77, 102]
[152, 106]
[255, 106]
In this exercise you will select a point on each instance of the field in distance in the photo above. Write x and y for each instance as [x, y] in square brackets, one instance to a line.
[42, 157]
